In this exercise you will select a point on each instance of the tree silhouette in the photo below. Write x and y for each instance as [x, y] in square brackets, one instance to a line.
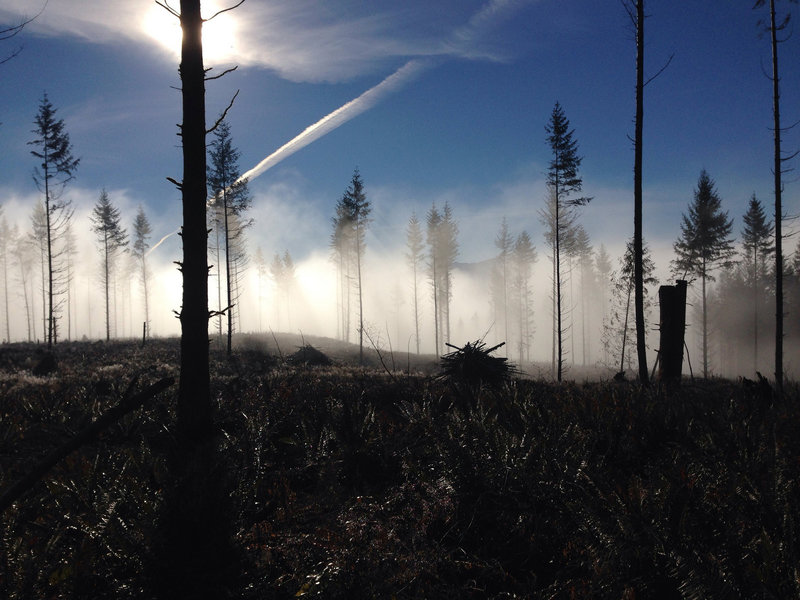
[112, 239]
[56, 169]
[704, 244]
[523, 257]
[504, 243]
[231, 200]
[195, 558]
[757, 244]
[141, 244]
[563, 180]
[773, 27]
[415, 247]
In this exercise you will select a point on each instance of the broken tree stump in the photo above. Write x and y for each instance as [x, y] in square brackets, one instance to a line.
[672, 301]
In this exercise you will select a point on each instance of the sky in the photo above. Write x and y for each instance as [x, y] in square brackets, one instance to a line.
[431, 101]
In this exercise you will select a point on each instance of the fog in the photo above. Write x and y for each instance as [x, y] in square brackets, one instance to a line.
[287, 216]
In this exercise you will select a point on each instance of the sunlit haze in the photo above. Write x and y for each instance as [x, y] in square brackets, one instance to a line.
[434, 102]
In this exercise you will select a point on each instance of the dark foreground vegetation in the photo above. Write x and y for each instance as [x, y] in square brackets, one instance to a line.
[357, 483]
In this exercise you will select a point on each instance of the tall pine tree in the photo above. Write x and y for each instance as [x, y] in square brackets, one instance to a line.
[56, 168]
[563, 180]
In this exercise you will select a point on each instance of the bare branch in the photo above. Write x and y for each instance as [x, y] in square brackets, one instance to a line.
[224, 113]
[225, 72]
[224, 10]
[661, 70]
[168, 8]
[177, 184]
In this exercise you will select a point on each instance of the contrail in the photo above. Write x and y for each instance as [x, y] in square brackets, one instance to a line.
[492, 12]
[161, 241]
[340, 116]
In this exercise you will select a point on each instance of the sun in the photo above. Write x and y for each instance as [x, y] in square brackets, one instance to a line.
[219, 34]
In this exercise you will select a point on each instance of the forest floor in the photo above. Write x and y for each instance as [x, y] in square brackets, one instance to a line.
[392, 480]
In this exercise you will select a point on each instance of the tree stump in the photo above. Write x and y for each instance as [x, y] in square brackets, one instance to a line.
[672, 301]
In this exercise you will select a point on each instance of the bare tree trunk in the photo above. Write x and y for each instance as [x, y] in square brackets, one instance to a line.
[638, 267]
[776, 169]
[196, 557]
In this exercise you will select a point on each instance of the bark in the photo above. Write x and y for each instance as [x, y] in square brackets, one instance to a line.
[672, 301]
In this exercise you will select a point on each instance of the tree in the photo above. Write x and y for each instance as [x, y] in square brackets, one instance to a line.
[261, 271]
[415, 248]
[348, 242]
[282, 271]
[504, 243]
[56, 169]
[704, 244]
[196, 554]
[141, 244]
[112, 239]
[757, 244]
[583, 252]
[5, 241]
[231, 198]
[563, 180]
[523, 257]
[602, 263]
[442, 238]
[38, 236]
[617, 325]
[773, 27]
[24, 255]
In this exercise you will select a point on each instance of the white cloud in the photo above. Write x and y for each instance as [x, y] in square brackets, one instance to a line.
[301, 40]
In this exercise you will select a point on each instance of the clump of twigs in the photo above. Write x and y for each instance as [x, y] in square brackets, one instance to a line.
[309, 356]
[473, 367]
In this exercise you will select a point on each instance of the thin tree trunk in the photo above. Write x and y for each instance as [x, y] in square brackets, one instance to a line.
[638, 267]
[776, 168]
[558, 290]
[229, 309]
[108, 282]
[705, 325]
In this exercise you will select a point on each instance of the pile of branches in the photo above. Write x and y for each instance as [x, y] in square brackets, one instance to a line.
[309, 356]
[474, 367]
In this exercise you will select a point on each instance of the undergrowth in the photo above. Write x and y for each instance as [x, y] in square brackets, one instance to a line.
[352, 483]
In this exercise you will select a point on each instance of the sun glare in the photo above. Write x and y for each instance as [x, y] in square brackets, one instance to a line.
[219, 34]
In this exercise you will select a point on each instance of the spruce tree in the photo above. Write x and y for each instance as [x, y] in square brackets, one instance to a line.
[56, 168]
[415, 247]
[232, 198]
[704, 244]
[757, 244]
[563, 180]
[112, 239]
[141, 244]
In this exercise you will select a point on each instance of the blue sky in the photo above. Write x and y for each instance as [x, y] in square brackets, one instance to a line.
[467, 126]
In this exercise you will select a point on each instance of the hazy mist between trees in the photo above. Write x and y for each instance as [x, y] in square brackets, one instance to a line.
[388, 309]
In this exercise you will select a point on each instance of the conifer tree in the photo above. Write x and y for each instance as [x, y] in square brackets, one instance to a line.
[415, 247]
[141, 244]
[704, 245]
[757, 244]
[232, 198]
[56, 168]
[504, 243]
[563, 180]
[113, 239]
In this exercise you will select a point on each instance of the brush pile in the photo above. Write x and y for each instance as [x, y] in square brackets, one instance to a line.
[474, 366]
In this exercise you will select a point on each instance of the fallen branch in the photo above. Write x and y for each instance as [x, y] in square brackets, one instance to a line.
[108, 418]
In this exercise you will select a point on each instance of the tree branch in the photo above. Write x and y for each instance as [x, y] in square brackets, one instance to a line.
[224, 113]
[168, 8]
[224, 10]
[225, 72]
[661, 70]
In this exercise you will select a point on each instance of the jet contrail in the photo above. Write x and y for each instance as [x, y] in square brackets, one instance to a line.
[340, 116]
[491, 13]
[161, 241]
